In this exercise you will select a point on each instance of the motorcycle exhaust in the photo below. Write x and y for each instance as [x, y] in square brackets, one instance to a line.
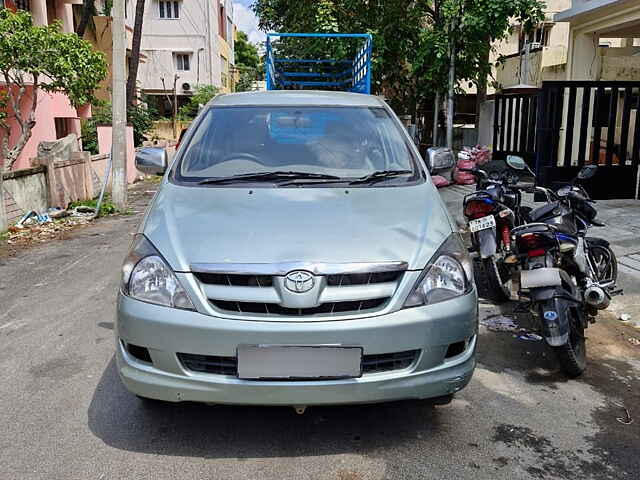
[596, 297]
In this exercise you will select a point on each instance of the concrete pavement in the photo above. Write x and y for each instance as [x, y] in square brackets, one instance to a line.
[65, 414]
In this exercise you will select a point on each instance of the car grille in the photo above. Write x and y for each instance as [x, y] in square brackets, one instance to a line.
[340, 280]
[275, 309]
[261, 295]
[209, 364]
[383, 362]
[235, 280]
[387, 362]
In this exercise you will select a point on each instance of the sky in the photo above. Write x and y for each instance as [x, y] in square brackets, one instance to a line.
[247, 21]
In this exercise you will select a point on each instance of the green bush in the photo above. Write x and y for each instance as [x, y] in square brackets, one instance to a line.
[106, 207]
[201, 96]
[139, 116]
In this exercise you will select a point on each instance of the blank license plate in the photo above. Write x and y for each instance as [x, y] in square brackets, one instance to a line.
[482, 223]
[281, 362]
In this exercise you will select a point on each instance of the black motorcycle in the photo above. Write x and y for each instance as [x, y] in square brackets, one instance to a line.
[492, 211]
[565, 275]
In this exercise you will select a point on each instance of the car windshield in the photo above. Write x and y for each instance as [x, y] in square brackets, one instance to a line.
[306, 144]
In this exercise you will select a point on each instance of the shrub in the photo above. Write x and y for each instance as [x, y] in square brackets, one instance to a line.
[202, 95]
[139, 116]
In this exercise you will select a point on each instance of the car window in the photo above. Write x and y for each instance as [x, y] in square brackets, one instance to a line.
[347, 142]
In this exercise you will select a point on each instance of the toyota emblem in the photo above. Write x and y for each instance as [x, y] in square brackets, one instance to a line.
[299, 281]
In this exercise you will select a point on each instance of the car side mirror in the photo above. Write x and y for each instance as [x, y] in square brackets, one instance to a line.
[152, 160]
[439, 158]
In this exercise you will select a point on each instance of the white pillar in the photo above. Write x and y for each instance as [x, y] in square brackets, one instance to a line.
[39, 12]
[64, 13]
[584, 56]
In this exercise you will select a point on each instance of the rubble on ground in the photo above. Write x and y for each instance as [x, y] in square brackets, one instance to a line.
[35, 228]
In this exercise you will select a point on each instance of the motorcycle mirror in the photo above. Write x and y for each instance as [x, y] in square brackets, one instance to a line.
[516, 162]
[587, 172]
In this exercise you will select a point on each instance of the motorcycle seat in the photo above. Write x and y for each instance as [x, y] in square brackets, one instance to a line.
[548, 214]
[538, 214]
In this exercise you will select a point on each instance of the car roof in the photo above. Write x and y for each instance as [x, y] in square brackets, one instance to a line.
[297, 97]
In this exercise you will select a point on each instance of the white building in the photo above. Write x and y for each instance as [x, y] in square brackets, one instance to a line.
[189, 42]
[604, 39]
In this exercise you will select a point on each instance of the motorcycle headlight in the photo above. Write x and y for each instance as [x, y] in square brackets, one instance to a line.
[147, 277]
[449, 274]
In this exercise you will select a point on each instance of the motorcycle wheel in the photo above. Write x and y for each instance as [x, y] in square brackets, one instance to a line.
[605, 263]
[572, 356]
[497, 290]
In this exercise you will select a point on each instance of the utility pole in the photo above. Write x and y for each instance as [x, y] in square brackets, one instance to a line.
[452, 81]
[524, 74]
[119, 108]
[175, 107]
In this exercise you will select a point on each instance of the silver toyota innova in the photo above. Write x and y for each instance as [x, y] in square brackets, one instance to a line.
[296, 253]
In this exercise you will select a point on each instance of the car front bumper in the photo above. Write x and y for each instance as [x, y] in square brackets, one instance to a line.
[165, 332]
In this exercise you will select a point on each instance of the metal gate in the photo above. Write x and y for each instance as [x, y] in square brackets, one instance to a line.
[590, 122]
[514, 126]
[567, 124]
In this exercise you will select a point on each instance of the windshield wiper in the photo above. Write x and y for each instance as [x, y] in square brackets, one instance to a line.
[380, 175]
[266, 177]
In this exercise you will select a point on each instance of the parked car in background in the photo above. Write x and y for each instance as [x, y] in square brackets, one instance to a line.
[297, 253]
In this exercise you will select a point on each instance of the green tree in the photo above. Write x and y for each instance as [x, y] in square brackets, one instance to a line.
[40, 58]
[247, 62]
[246, 53]
[473, 27]
[394, 24]
[134, 60]
[457, 40]
[411, 39]
[201, 96]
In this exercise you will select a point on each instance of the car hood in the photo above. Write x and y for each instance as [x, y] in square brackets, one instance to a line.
[272, 225]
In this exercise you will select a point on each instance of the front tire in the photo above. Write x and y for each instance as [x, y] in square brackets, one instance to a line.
[440, 401]
[572, 356]
[497, 290]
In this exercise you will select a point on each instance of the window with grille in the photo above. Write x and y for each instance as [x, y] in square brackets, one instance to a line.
[169, 10]
[182, 61]
[222, 25]
[538, 38]
[23, 5]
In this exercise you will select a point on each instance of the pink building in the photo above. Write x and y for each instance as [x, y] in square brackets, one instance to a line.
[55, 116]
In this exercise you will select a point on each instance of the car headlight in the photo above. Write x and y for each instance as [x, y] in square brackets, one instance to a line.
[147, 277]
[449, 274]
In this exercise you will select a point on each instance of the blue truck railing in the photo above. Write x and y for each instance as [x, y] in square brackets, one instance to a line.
[351, 75]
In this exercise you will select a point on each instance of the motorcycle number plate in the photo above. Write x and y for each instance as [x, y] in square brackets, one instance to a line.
[482, 223]
[540, 277]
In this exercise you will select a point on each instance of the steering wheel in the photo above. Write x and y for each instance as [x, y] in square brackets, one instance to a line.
[240, 156]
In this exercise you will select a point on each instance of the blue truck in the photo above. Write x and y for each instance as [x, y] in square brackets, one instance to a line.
[341, 74]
